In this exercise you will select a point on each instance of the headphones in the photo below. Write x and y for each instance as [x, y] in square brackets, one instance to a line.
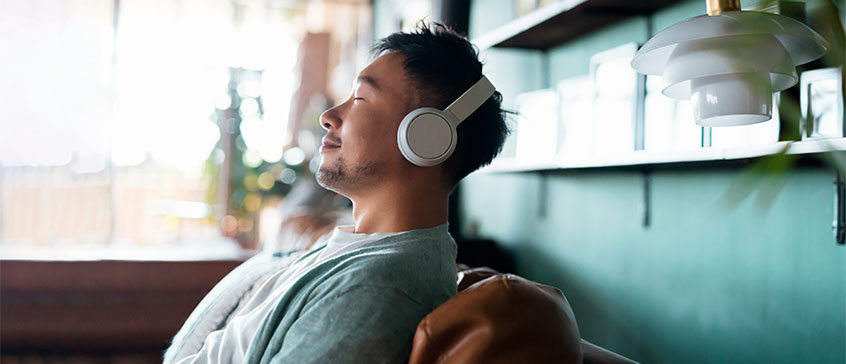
[427, 136]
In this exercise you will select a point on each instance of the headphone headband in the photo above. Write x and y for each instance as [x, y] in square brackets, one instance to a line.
[471, 100]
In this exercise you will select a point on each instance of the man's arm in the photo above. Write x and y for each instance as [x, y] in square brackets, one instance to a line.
[362, 324]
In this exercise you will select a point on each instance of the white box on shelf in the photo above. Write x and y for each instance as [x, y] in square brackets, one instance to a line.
[537, 126]
[575, 125]
[615, 100]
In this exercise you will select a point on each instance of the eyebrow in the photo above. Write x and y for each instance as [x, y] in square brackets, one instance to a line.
[368, 80]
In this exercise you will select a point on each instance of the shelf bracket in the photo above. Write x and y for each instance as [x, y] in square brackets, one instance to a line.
[839, 223]
[647, 199]
[543, 194]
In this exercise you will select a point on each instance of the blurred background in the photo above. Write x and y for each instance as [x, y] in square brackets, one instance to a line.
[133, 124]
[148, 147]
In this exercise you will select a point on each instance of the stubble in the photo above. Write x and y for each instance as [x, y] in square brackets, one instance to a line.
[339, 177]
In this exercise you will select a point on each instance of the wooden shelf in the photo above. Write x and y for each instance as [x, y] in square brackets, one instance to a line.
[557, 23]
[643, 159]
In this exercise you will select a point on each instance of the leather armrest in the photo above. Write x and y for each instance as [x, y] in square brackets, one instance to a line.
[501, 319]
[469, 279]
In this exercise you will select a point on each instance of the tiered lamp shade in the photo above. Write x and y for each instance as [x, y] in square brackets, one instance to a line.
[730, 64]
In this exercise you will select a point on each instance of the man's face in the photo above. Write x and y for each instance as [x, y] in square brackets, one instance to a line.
[360, 146]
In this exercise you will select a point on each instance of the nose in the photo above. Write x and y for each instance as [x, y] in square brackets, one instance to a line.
[330, 119]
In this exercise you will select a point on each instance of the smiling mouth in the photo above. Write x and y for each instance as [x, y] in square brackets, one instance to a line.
[329, 144]
[325, 148]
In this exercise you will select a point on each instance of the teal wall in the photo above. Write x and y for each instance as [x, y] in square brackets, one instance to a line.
[707, 281]
[715, 277]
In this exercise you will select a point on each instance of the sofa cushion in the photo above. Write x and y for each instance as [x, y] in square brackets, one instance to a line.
[501, 319]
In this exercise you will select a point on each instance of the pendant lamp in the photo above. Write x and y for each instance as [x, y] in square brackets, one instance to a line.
[729, 62]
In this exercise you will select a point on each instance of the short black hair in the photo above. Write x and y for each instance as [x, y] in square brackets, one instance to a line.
[443, 64]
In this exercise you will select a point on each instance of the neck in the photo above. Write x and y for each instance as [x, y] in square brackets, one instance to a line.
[401, 207]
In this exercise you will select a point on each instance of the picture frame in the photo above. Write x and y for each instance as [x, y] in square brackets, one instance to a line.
[821, 104]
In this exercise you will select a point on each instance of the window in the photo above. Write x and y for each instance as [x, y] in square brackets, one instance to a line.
[116, 117]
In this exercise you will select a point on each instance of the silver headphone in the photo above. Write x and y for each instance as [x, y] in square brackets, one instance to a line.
[427, 136]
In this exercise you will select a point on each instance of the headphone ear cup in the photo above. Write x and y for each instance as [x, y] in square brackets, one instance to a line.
[427, 137]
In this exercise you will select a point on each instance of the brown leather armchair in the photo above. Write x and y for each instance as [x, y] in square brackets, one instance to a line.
[504, 318]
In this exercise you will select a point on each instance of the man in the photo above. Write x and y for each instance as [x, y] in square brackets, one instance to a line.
[359, 295]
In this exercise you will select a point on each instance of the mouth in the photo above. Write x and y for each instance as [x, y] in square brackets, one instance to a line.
[329, 143]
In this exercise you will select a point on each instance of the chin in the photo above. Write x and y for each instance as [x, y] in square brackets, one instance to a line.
[328, 178]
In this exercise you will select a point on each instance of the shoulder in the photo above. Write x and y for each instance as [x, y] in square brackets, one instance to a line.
[418, 265]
